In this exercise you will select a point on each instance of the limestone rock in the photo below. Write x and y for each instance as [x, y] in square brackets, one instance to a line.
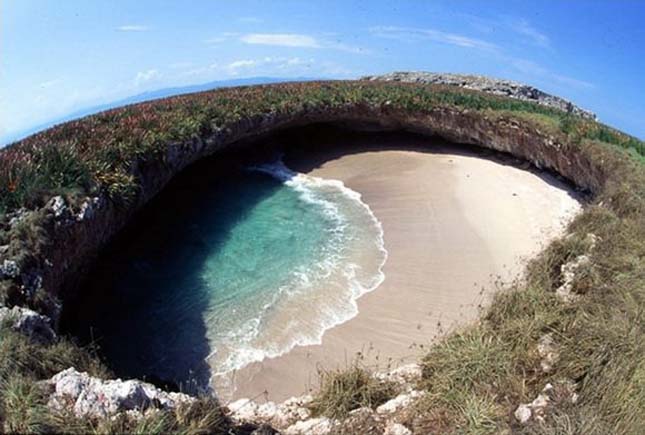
[280, 415]
[313, 426]
[91, 397]
[537, 408]
[406, 375]
[523, 413]
[29, 323]
[17, 216]
[399, 402]
[57, 205]
[88, 208]
[490, 85]
[568, 271]
[396, 429]
[548, 351]
[9, 269]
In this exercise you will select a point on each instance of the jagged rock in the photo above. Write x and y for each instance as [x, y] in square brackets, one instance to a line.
[537, 408]
[243, 410]
[523, 413]
[362, 420]
[29, 323]
[9, 269]
[591, 240]
[17, 216]
[313, 426]
[57, 205]
[548, 351]
[406, 375]
[277, 415]
[88, 208]
[264, 429]
[32, 281]
[568, 271]
[396, 429]
[399, 402]
[92, 397]
[490, 85]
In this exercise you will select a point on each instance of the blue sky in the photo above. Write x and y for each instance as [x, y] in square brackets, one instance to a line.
[60, 56]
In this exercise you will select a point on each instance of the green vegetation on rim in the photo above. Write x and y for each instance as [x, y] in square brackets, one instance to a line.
[474, 378]
[344, 390]
[101, 151]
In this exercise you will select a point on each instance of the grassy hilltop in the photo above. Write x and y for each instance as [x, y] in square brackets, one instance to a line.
[475, 377]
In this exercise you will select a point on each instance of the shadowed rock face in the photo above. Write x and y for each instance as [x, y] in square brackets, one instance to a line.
[78, 236]
[506, 88]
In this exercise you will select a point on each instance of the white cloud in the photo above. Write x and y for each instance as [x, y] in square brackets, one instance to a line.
[526, 67]
[287, 66]
[411, 34]
[276, 64]
[245, 63]
[281, 39]
[523, 27]
[222, 37]
[132, 28]
[146, 76]
[530, 68]
[297, 40]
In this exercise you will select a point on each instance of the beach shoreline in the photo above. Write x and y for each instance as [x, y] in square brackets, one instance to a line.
[456, 223]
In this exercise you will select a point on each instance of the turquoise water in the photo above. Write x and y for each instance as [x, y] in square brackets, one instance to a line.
[226, 272]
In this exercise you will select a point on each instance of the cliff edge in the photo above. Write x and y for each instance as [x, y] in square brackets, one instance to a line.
[506, 88]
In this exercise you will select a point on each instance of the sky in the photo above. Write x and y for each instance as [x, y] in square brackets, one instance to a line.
[57, 57]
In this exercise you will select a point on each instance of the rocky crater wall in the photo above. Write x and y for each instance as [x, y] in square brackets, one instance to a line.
[506, 88]
[79, 234]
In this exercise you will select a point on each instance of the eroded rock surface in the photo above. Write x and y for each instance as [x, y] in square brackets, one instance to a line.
[293, 416]
[506, 88]
[90, 397]
[29, 323]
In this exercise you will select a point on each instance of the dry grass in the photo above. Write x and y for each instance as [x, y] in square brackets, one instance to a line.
[344, 390]
[23, 406]
[474, 378]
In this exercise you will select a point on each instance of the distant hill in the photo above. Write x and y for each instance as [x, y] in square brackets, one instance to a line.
[146, 96]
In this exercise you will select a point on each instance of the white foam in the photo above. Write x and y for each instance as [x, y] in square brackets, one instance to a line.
[311, 190]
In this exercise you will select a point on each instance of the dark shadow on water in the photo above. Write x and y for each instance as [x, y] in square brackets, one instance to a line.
[144, 299]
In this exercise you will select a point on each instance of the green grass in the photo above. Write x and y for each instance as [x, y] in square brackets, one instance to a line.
[342, 391]
[601, 339]
[474, 378]
[102, 151]
[23, 408]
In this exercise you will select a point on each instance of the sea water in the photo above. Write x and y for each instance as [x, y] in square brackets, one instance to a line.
[227, 273]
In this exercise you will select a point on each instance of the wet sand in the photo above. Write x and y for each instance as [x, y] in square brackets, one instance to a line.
[455, 222]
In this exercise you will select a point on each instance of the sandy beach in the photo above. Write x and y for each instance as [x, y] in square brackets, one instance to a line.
[455, 221]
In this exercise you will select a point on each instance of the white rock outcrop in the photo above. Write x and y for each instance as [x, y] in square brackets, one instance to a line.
[568, 271]
[405, 375]
[399, 402]
[312, 426]
[29, 323]
[92, 397]
[396, 429]
[548, 351]
[280, 416]
[9, 269]
[506, 88]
